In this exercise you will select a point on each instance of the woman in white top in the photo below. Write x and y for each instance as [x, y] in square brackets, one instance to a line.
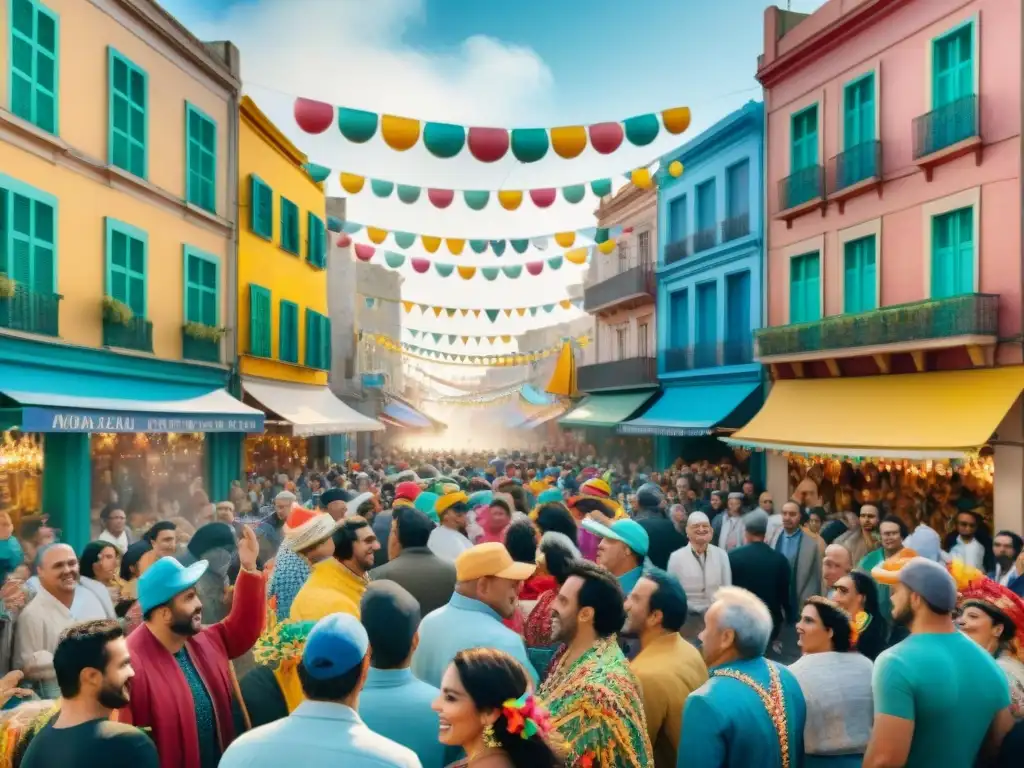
[836, 683]
[115, 527]
[702, 568]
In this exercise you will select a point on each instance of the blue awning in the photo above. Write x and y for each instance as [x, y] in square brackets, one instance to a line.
[407, 415]
[53, 400]
[692, 410]
[534, 396]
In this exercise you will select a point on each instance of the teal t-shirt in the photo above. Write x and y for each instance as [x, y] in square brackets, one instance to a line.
[946, 684]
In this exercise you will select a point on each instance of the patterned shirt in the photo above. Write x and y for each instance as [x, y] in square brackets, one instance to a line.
[290, 572]
[206, 723]
[596, 706]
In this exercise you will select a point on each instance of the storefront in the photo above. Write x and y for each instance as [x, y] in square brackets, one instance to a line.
[112, 425]
[599, 416]
[929, 443]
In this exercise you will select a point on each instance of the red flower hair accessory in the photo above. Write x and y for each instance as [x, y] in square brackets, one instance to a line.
[526, 717]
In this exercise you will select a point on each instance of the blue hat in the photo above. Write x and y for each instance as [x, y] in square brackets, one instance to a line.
[629, 532]
[336, 645]
[165, 579]
[549, 496]
[480, 498]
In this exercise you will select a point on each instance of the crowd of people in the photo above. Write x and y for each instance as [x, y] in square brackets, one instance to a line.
[519, 611]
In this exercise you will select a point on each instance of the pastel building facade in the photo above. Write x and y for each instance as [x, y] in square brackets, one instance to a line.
[894, 244]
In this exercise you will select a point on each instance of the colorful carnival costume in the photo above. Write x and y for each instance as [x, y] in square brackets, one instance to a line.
[596, 706]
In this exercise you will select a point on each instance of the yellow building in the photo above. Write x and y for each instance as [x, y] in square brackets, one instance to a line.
[118, 140]
[284, 328]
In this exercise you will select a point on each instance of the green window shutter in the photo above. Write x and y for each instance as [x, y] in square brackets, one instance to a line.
[804, 288]
[325, 343]
[317, 241]
[261, 208]
[312, 339]
[942, 256]
[859, 278]
[33, 60]
[201, 159]
[202, 287]
[259, 321]
[859, 112]
[28, 236]
[796, 290]
[288, 343]
[963, 281]
[289, 226]
[953, 253]
[953, 66]
[804, 139]
[127, 253]
[129, 115]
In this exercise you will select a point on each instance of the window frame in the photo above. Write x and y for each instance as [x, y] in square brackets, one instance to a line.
[847, 89]
[256, 184]
[855, 243]
[973, 230]
[190, 252]
[793, 168]
[293, 349]
[191, 109]
[802, 257]
[320, 231]
[264, 293]
[956, 29]
[113, 56]
[294, 247]
[112, 225]
[9, 186]
[38, 7]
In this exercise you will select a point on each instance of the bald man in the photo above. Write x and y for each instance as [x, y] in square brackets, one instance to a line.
[836, 564]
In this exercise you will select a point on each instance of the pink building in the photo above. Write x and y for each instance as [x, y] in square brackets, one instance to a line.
[894, 265]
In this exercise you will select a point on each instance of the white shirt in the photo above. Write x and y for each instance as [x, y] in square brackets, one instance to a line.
[731, 535]
[774, 529]
[971, 552]
[37, 630]
[121, 542]
[447, 544]
[701, 577]
[1006, 577]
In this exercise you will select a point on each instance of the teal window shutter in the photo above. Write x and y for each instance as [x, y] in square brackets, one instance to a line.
[202, 287]
[804, 288]
[860, 275]
[316, 242]
[859, 111]
[706, 213]
[312, 338]
[201, 159]
[289, 226]
[33, 59]
[28, 236]
[261, 208]
[803, 151]
[259, 320]
[325, 343]
[127, 253]
[953, 66]
[953, 253]
[288, 343]
[127, 145]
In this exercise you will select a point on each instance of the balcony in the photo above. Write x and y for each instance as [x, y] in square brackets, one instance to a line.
[736, 227]
[708, 355]
[201, 350]
[31, 312]
[631, 287]
[800, 193]
[946, 133]
[738, 351]
[704, 240]
[677, 251]
[136, 334]
[969, 320]
[618, 374]
[853, 172]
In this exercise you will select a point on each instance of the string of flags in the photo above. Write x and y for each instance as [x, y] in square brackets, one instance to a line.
[372, 302]
[434, 355]
[534, 268]
[486, 144]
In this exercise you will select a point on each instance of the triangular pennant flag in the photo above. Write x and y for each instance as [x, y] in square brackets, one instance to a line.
[394, 260]
[549, 307]
[407, 306]
[370, 301]
[476, 313]
[521, 311]
[465, 339]
[492, 314]
[414, 333]
[565, 303]
[444, 270]
[506, 339]
[513, 271]
[438, 311]
[451, 311]
[533, 311]
[437, 337]
[451, 338]
[464, 312]
[492, 339]
[555, 262]
[508, 313]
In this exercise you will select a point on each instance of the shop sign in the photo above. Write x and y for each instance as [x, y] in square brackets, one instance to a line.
[636, 429]
[53, 420]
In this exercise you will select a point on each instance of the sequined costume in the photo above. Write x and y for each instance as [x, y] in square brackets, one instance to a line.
[596, 706]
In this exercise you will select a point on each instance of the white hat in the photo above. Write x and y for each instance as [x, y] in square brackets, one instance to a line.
[306, 528]
[356, 503]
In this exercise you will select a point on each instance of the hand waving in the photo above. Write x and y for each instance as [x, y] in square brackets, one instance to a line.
[248, 549]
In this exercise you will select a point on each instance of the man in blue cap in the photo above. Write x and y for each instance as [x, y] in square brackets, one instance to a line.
[623, 548]
[326, 727]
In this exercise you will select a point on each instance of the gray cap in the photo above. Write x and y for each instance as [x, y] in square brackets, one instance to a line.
[736, 495]
[931, 581]
[756, 522]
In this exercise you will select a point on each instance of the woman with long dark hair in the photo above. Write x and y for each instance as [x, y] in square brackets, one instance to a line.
[487, 708]
[101, 562]
[857, 594]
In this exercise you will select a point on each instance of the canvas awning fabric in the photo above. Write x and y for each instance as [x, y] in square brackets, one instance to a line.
[53, 400]
[942, 415]
[310, 410]
[543, 418]
[606, 410]
[408, 416]
[695, 409]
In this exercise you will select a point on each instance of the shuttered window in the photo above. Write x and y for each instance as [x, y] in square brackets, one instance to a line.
[259, 321]
[805, 288]
[860, 275]
[318, 340]
[34, 81]
[953, 253]
[28, 236]
[201, 159]
[953, 66]
[803, 151]
[202, 287]
[289, 226]
[317, 241]
[127, 252]
[129, 115]
[261, 208]
[288, 334]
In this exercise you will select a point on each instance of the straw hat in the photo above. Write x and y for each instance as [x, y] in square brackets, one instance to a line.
[306, 528]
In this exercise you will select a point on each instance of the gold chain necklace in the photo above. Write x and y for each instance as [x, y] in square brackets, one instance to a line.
[773, 701]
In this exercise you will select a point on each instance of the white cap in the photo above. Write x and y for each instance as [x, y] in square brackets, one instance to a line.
[697, 517]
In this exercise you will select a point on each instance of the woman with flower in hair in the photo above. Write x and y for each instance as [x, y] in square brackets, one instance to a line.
[836, 683]
[487, 708]
[993, 617]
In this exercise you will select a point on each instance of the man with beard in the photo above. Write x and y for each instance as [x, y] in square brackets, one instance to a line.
[93, 671]
[336, 584]
[923, 718]
[592, 695]
[182, 689]
[1006, 548]
[863, 538]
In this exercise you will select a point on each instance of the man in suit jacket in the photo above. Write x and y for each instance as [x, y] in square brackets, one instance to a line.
[727, 526]
[760, 569]
[801, 551]
[429, 578]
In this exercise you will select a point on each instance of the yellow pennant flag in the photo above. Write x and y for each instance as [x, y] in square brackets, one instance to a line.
[476, 313]
[521, 311]
[508, 313]
[430, 242]
[506, 339]
[438, 311]
[455, 245]
[492, 339]
[376, 235]
[464, 311]
[465, 339]
[565, 303]
[407, 306]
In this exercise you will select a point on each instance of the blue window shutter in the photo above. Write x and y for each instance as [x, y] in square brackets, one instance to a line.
[259, 321]
[128, 140]
[316, 241]
[289, 226]
[796, 290]
[812, 290]
[946, 250]
[201, 159]
[261, 212]
[738, 306]
[33, 58]
[964, 247]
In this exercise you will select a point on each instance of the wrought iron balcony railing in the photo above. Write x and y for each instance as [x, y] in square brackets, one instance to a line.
[945, 126]
[705, 239]
[736, 227]
[801, 187]
[203, 350]
[854, 165]
[137, 334]
[31, 312]
[634, 282]
[618, 374]
[677, 251]
[971, 314]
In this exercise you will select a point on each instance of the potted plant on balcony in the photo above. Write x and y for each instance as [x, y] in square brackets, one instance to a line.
[117, 312]
[202, 332]
[7, 287]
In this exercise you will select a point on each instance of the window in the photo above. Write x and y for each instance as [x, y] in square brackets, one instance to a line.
[28, 236]
[318, 341]
[707, 313]
[127, 248]
[859, 159]
[129, 120]
[706, 214]
[805, 288]
[201, 159]
[737, 305]
[679, 319]
[953, 66]
[261, 208]
[621, 342]
[317, 241]
[642, 331]
[860, 293]
[288, 335]
[35, 34]
[289, 226]
[677, 229]
[643, 247]
[953, 253]
[259, 321]
[202, 287]
[803, 152]
[737, 190]
[624, 255]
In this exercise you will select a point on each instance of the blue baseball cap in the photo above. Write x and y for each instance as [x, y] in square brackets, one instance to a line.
[629, 532]
[165, 579]
[336, 645]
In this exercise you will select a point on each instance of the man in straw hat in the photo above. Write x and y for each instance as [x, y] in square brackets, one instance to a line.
[307, 541]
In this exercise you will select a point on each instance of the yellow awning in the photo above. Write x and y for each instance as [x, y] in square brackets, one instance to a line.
[940, 415]
[563, 380]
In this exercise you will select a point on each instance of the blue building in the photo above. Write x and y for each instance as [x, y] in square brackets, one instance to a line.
[710, 286]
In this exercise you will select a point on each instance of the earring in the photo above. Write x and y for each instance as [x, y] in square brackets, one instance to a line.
[490, 741]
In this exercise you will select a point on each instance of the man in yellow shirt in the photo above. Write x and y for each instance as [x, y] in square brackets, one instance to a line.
[336, 584]
[668, 667]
